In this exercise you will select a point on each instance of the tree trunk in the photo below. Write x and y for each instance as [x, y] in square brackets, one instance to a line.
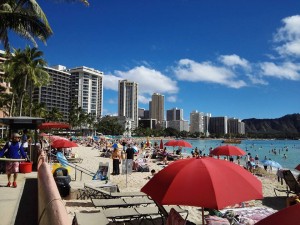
[30, 102]
[12, 105]
[22, 97]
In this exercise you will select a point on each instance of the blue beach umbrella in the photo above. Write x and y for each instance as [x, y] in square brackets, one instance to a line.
[271, 163]
[116, 145]
[135, 149]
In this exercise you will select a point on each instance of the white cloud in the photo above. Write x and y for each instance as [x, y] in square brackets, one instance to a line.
[234, 60]
[287, 70]
[112, 101]
[143, 99]
[172, 98]
[149, 80]
[110, 82]
[190, 70]
[288, 36]
[257, 80]
[107, 112]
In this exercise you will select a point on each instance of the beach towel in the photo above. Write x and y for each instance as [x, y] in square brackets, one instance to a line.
[215, 220]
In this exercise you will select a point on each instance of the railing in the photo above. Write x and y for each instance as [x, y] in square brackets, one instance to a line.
[76, 167]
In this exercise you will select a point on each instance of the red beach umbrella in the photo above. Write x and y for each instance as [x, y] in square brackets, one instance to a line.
[53, 125]
[297, 167]
[62, 143]
[203, 182]
[181, 143]
[227, 150]
[286, 216]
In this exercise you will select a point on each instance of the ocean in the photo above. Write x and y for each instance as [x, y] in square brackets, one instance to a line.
[262, 148]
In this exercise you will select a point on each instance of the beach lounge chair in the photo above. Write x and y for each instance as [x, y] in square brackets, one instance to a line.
[90, 219]
[95, 192]
[86, 193]
[292, 186]
[140, 213]
[74, 160]
[122, 202]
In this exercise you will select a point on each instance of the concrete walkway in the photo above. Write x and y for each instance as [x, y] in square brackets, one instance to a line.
[11, 198]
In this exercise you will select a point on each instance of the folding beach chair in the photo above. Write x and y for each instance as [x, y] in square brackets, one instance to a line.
[90, 219]
[96, 192]
[122, 202]
[292, 186]
[128, 214]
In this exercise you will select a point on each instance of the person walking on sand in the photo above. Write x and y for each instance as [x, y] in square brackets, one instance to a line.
[13, 150]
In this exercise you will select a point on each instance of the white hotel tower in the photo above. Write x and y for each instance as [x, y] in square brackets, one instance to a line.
[86, 87]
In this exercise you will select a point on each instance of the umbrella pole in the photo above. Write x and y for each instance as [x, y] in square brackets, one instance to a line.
[202, 216]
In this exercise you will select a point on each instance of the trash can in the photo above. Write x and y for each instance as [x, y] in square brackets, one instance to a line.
[62, 180]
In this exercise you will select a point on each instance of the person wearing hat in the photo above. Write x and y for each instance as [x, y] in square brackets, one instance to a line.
[13, 150]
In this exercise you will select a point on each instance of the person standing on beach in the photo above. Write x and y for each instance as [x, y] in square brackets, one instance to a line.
[129, 158]
[116, 157]
[13, 150]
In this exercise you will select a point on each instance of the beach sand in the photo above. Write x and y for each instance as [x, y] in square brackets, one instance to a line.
[136, 180]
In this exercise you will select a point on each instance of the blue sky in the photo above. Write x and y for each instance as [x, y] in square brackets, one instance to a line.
[232, 58]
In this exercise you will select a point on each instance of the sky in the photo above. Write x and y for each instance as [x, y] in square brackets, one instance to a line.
[233, 58]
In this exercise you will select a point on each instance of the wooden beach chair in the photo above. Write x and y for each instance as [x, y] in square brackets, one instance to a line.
[292, 186]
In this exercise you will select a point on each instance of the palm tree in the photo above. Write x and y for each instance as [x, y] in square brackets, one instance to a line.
[54, 115]
[24, 17]
[39, 110]
[25, 70]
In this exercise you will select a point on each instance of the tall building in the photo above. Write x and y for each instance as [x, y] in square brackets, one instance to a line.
[128, 101]
[235, 126]
[180, 125]
[86, 88]
[174, 114]
[218, 125]
[206, 118]
[157, 108]
[196, 122]
[141, 113]
[199, 122]
[57, 93]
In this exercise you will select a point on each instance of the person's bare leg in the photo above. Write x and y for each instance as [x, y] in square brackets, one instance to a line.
[15, 177]
[8, 179]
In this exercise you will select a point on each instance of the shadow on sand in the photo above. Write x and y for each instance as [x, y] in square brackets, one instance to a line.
[28, 208]
[277, 203]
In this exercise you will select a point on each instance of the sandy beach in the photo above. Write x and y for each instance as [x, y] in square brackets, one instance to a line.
[136, 180]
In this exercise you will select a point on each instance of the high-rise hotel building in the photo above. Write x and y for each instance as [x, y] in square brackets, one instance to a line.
[157, 108]
[128, 101]
[81, 84]
[57, 93]
[86, 88]
[174, 114]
